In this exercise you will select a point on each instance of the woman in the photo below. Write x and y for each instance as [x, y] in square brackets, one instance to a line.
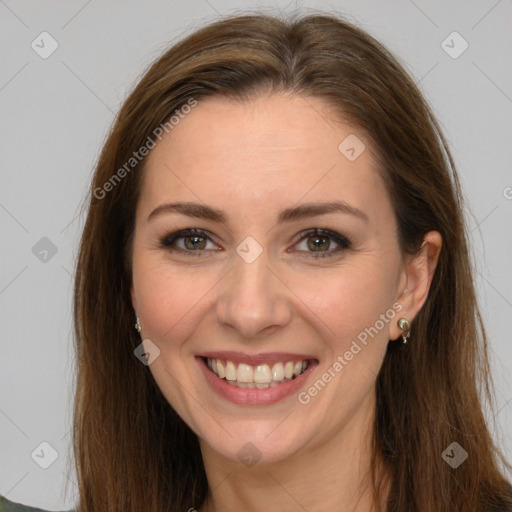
[274, 305]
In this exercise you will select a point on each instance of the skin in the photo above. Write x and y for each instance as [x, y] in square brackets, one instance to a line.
[252, 160]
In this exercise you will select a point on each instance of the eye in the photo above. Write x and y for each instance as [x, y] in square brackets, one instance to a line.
[318, 241]
[194, 241]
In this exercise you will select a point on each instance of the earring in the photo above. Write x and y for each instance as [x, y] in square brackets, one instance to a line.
[137, 324]
[403, 323]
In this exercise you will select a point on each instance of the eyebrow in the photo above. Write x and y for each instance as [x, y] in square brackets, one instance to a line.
[202, 211]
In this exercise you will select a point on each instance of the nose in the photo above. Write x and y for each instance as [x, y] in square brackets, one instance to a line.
[253, 300]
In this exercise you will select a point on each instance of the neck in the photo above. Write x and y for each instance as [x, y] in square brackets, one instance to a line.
[330, 474]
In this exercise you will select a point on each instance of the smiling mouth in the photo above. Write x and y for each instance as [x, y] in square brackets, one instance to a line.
[261, 376]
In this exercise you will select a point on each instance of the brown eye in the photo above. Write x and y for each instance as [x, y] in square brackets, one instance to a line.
[194, 242]
[319, 241]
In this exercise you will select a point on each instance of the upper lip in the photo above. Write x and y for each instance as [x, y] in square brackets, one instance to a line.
[255, 359]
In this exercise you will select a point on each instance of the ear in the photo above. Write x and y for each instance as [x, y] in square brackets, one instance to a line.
[416, 278]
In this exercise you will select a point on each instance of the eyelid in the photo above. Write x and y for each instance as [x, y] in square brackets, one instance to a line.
[343, 242]
[167, 240]
[172, 235]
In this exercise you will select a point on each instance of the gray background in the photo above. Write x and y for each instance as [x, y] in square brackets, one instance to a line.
[55, 113]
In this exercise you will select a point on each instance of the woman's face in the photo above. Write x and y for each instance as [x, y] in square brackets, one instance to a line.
[256, 289]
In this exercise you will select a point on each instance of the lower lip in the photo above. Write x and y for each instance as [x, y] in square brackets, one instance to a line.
[255, 396]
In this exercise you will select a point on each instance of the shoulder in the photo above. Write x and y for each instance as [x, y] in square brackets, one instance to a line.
[10, 506]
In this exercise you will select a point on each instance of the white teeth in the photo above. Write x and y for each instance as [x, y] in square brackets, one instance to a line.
[245, 384]
[244, 373]
[255, 385]
[288, 370]
[261, 376]
[278, 371]
[220, 369]
[230, 371]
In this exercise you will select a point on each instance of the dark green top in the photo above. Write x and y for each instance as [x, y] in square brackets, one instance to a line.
[10, 506]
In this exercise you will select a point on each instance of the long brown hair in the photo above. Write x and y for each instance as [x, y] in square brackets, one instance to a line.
[132, 451]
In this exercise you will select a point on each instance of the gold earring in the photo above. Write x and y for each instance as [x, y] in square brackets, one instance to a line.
[137, 325]
[403, 323]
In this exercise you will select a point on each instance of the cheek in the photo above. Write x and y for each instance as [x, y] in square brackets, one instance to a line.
[169, 297]
[346, 307]
[347, 299]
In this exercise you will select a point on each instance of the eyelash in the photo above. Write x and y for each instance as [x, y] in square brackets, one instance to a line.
[343, 242]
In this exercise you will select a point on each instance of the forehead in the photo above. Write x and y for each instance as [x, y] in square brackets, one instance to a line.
[263, 154]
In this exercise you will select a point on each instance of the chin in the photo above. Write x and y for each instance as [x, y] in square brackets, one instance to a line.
[253, 450]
